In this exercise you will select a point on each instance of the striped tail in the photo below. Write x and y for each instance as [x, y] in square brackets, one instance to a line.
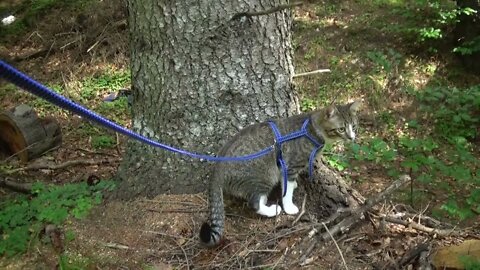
[211, 232]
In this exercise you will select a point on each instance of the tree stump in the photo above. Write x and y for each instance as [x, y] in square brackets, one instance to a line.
[24, 134]
[326, 193]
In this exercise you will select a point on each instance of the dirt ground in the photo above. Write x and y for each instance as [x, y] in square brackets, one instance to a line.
[161, 232]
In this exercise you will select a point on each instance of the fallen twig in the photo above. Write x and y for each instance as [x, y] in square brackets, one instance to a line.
[356, 215]
[336, 244]
[311, 73]
[166, 234]
[420, 227]
[352, 219]
[95, 152]
[302, 211]
[115, 246]
[182, 210]
[63, 165]
[172, 202]
[185, 254]
[99, 38]
[117, 146]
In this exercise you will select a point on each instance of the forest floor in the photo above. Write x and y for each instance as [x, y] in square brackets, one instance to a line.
[80, 49]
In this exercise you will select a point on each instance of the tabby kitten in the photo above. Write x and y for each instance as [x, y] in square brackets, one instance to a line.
[253, 180]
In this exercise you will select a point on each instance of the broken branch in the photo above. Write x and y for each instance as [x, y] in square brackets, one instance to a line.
[19, 187]
[420, 227]
[63, 165]
[311, 73]
[356, 215]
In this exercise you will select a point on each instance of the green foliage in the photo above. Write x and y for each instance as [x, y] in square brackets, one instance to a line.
[470, 262]
[385, 62]
[307, 104]
[468, 47]
[111, 81]
[334, 159]
[454, 111]
[69, 262]
[430, 33]
[375, 150]
[103, 141]
[44, 106]
[430, 21]
[436, 149]
[22, 217]
[115, 110]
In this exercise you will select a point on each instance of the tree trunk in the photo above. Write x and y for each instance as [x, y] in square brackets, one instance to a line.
[199, 75]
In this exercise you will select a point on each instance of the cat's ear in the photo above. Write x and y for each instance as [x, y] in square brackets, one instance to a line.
[330, 111]
[355, 106]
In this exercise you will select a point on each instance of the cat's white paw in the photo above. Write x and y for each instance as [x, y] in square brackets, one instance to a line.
[269, 211]
[290, 208]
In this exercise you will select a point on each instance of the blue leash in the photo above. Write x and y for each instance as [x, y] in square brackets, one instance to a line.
[21, 80]
[279, 140]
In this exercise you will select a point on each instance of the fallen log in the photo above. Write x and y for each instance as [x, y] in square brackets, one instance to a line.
[25, 135]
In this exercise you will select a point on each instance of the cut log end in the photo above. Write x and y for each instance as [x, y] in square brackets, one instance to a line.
[24, 134]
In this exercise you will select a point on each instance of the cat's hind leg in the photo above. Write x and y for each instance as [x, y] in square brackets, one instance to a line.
[258, 202]
[287, 200]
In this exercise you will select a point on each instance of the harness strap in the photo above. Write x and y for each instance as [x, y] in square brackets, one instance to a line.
[279, 140]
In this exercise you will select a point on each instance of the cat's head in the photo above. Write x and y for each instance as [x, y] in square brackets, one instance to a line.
[337, 122]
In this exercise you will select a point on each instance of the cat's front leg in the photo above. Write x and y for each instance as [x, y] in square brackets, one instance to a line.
[287, 200]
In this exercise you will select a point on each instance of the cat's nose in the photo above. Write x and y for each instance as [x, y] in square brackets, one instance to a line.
[351, 137]
[350, 133]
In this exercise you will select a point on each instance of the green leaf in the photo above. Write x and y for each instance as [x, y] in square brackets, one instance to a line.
[410, 164]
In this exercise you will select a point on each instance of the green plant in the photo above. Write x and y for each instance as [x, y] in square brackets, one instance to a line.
[307, 104]
[442, 159]
[385, 62]
[470, 262]
[454, 111]
[70, 262]
[110, 81]
[44, 107]
[430, 33]
[22, 217]
[468, 47]
[430, 21]
[103, 141]
[115, 110]
[334, 159]
[375, 150]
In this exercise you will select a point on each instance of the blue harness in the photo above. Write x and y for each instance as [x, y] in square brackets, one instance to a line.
[23, 81]
[279, 140]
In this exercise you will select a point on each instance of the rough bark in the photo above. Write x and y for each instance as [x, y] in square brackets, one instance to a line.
[200, 74]
[326, 192]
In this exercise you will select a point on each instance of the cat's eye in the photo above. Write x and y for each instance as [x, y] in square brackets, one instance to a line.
[341, 130]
